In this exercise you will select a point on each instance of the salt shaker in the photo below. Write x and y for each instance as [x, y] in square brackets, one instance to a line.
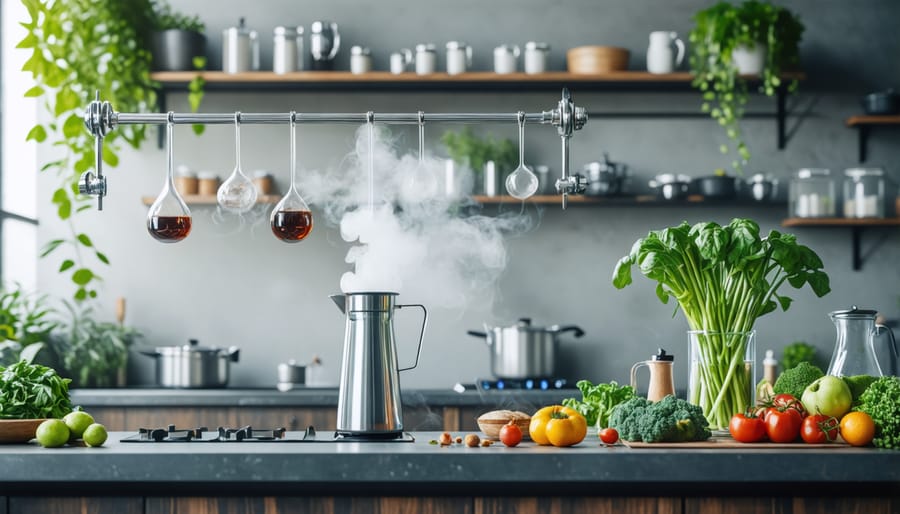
[536, 57]
[426, 59]
[459, 57]
[400, 60]
[287, 49]
[360, 60]
[505, 57]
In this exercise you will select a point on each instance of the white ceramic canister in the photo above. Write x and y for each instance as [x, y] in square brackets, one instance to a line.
[536, 57]
[400, 60]
[287, 49]
[505, 58]
[749, 61]
[665, 52]
[240, 49]
[426, 59]
[459, 57]
[360, 60]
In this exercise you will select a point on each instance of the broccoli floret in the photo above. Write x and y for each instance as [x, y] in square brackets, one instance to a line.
[882, 401]
[858, 385]
[668, 420]
[793, 381]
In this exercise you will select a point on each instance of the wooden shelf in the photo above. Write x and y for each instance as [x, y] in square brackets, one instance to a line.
[856, 226]
[622, 201]
[864, 123]
[209, 200]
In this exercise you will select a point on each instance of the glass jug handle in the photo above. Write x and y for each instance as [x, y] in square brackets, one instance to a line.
[421, 333]
[893, 351]
[634, 369]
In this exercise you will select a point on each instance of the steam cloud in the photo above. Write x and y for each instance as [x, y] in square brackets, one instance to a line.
[415, 238]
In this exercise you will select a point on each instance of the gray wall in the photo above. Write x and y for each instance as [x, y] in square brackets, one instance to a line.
[232, 283]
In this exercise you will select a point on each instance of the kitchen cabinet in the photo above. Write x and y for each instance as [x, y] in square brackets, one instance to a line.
[864, 124]
[778, 505]
[70, 505]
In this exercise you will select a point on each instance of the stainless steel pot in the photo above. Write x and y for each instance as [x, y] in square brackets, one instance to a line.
[192, 365]
[522, 350]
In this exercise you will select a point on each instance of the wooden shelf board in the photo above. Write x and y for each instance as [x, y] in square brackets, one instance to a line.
[841, 222]
[621, 201]
[209, 200]
[854, 121]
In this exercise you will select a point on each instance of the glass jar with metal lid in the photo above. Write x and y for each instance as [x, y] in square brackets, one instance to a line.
[864, 193]
[536, 57]
[811, 194]
[426, 59]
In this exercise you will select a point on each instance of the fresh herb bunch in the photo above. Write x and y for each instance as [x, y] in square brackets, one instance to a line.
[24, 321]
[882, 401]
[467, 149]
[597, 401]
[718, 31]
[797, 352]
[723, 278]
[33, 391]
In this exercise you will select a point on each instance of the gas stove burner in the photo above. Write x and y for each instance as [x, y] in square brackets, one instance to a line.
[247, 433]
[170, 433]
[532, 384]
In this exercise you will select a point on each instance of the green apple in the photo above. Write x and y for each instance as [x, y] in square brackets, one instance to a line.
[828, 395]
[77, 421]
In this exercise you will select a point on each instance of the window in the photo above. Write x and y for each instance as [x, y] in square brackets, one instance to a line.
[18, 159]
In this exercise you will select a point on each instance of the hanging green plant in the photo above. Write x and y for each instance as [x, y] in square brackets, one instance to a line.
[719, 31]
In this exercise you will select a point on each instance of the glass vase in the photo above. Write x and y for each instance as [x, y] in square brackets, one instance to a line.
[722, 379]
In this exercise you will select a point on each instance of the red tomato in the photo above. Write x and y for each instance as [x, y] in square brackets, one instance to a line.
[510, 434]
[783, 401]
[783, 426]
[609, 435]
[819, 428]
[747, 429]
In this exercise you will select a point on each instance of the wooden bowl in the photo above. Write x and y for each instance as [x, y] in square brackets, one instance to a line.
[490, 423]
[18, 430]
[597, 59]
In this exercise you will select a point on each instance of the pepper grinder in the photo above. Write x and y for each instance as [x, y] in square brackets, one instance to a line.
[662, 382]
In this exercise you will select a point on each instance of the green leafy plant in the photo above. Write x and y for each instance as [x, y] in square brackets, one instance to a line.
[166, 18]
[32, 391]
[597, 401]
[93, 353]
[723, 278]
[467, 149]
[797, 352]
[24, 325]
[719, 30]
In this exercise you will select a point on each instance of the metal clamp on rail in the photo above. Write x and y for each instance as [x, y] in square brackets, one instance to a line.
[100, 119]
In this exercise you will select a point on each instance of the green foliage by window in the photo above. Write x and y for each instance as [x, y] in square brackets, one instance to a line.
[24, 323]
[718, 31]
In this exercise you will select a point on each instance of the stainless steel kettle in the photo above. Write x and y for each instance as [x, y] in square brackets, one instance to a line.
[369, 395]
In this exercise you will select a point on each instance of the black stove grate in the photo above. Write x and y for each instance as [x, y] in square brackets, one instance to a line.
[172, 434]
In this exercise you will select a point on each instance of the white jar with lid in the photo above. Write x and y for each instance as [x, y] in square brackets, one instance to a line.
[287, 49]
[426, 59]
[360, 60]
[864, 193]
[536, 57]
[400, 60]
[505, 58]
[459, 57]
[811, 194]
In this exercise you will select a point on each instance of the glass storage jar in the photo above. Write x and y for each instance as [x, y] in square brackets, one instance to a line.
[863, 193]
[811, 194]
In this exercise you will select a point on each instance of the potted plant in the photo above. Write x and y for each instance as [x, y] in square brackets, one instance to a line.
[177, 39]
[25, 326]
[723, 278]
[731, 41]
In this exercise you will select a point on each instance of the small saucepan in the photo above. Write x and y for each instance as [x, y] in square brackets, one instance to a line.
[524, 351]
[192, 365]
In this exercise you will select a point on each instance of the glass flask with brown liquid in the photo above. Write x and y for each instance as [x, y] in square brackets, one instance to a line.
[169, 219]
[291, 218]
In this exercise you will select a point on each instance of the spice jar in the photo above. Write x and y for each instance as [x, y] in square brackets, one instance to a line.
[207, 183]
[185, 180]
[811, 194]
[360, 60]
[426, 59]
[536, 57]
[863, 193]
[263, 181]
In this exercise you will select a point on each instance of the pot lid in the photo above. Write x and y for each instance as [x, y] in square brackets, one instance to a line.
[193, 346]
[854, 312]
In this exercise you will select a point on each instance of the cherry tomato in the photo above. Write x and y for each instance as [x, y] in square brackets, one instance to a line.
[783, 426]
[782, 401]
[747, 429]
[609, 435]
[819, 428]
[510, 434]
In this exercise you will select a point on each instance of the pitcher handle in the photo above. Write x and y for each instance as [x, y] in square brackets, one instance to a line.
[421, 333]
[634, 373]
[893, 351]
[679, 45]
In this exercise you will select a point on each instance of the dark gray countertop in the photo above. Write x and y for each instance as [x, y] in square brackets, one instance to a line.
[286, 468]
[304, 397]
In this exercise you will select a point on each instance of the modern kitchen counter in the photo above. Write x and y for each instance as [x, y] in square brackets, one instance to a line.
[413, 468]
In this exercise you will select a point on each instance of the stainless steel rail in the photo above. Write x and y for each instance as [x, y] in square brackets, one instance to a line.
[100, 118]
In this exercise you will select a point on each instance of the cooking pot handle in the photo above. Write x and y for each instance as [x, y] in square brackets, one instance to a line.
[476, 333]
[234, 353]
[421, 333]
[566, 328]
[149, 353]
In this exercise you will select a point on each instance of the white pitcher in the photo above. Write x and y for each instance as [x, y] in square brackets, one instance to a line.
[661, 56]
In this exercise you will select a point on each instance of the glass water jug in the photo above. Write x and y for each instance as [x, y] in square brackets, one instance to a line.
[854, 350]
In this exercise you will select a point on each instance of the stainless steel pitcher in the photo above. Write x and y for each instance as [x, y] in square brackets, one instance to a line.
[324, 43]
[369, 396]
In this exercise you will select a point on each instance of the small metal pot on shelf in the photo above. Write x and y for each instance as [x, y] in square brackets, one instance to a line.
[671, 186]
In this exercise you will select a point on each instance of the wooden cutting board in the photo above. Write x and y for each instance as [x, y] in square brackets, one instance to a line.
[724, 442]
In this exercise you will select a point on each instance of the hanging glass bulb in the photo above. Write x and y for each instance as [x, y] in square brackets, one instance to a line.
[291, 218]
[169, 219]
[238, 193]
[522, 182]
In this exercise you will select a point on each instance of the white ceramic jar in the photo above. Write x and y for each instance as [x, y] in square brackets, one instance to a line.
[459, 57]
[536, 57]
[426, 59]
[400, 60]
[505, 58]
[360, 60]
[665, 52]
[287, 49]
